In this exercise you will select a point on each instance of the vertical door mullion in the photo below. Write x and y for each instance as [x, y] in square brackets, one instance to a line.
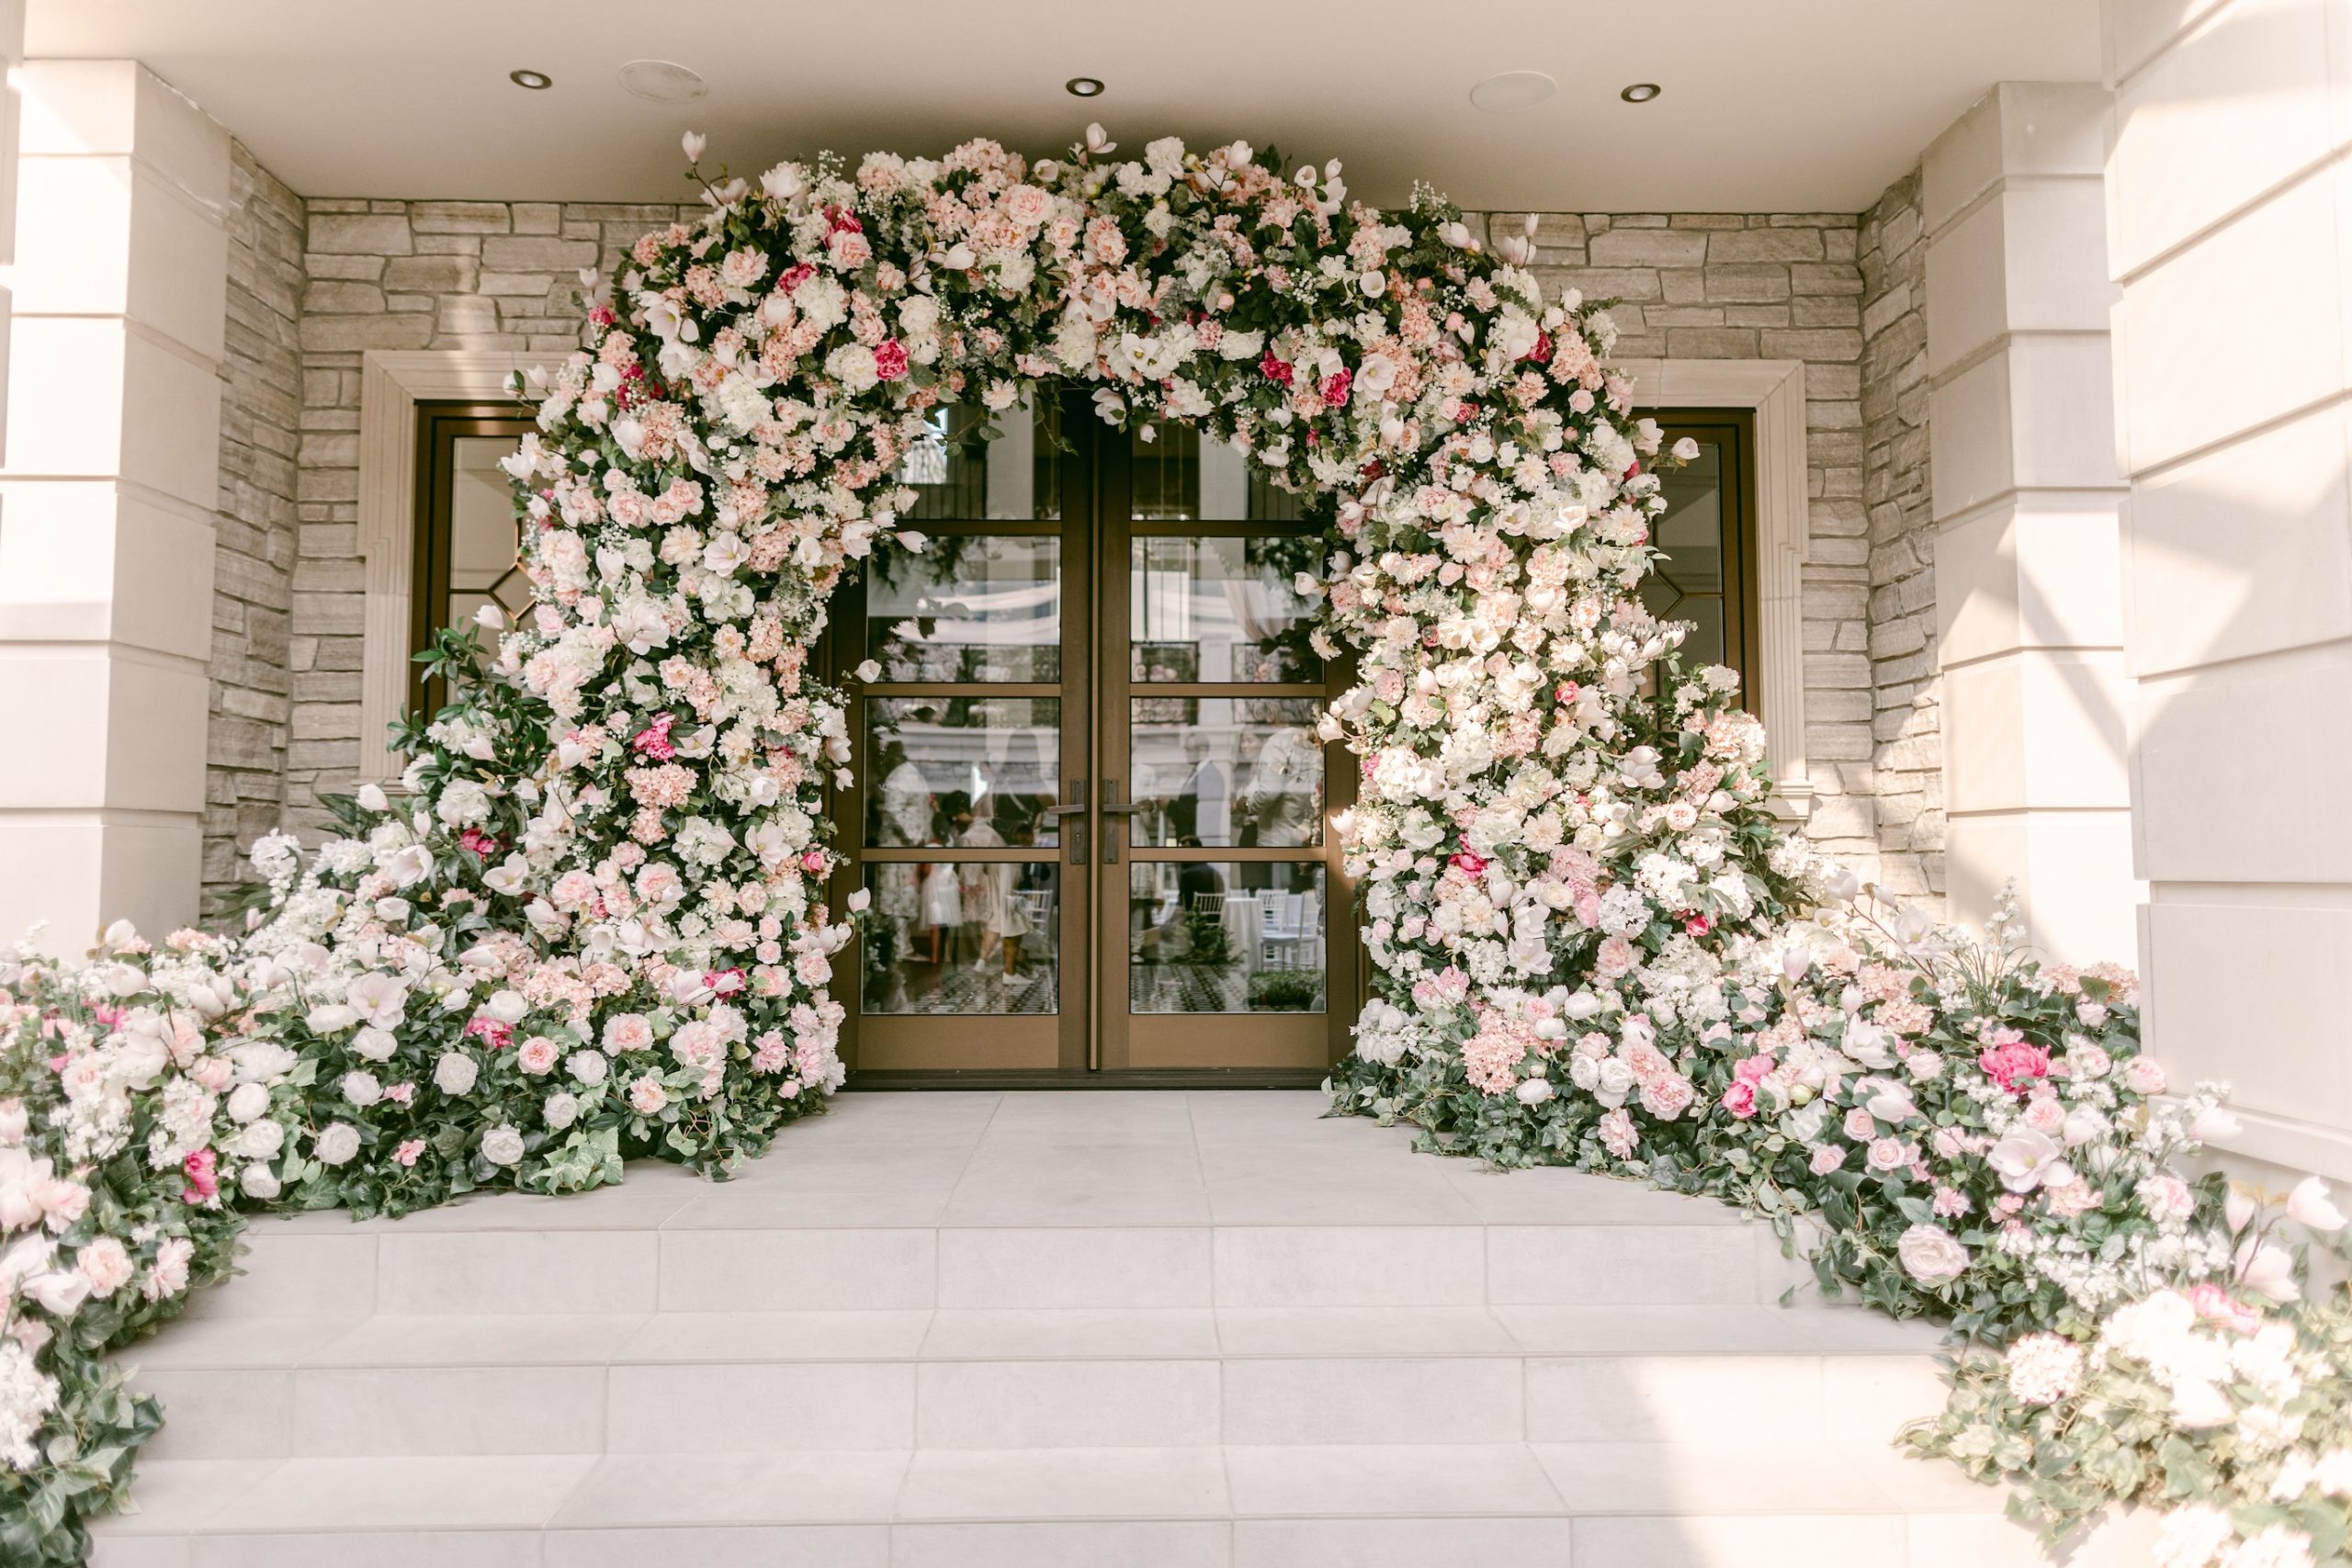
[1114, 487]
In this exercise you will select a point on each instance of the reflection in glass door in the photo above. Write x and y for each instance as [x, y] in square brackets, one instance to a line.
[1091, 803]
[1208, 696]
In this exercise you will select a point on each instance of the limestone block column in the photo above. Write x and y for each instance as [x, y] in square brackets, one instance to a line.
[2025, 496]
[113, 451]
[2230, 231]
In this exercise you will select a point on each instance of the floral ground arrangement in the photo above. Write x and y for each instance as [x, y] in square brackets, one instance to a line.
[595, 918]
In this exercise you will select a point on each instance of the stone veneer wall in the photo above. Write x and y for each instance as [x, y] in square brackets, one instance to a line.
[1906, 764]
[498, 274]
[255, 529]
[405, 275]
[1765, 286]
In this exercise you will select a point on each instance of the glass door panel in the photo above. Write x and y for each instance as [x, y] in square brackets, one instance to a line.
[1207, 696]
[1089, 802]
[972, 747]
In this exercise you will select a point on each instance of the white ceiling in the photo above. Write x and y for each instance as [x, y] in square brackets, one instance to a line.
[1770, 105]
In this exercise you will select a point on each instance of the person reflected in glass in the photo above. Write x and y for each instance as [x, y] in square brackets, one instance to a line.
[902, 819]
[1202, 810]
[987, 890]
[1282, 803]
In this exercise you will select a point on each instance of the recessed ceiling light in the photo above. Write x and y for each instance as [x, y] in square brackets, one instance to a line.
[1084, 87]
[1512, 91]
[537, 80]
[662, 81]
[1641, 91]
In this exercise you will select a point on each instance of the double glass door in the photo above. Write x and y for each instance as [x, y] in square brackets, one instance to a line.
[1090, 807]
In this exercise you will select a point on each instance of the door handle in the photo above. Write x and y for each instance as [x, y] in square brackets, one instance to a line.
[1072, 819]
[1114, 808]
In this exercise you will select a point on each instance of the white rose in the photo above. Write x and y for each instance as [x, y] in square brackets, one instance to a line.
[336, 1143]
[560, 1110]
[507, 1007]
[257, 1140]
[501, 1146]
[1931, 1255]
[1534, 1091]
[258, 1181]
[361, 1089]
[454, 1072]
[588, 1067]
[246, 1101]
[375, 1044]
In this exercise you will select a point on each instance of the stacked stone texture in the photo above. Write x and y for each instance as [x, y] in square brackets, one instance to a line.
[255, 529]
[1907, 734]
[1764, 286]
[406, 275]
[396, 274]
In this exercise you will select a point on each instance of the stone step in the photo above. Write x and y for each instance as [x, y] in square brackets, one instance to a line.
[354, 1272]
[1615, 1504]
[1145, 1378]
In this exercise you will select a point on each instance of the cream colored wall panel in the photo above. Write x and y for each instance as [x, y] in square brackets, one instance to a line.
[78, 872]
[2246, 550]
[86, 561]
[179, 265]
[64, 408]
[1970, 448]
[2068, 866]
[2018, 128]
[157, 711]
[1968, 296]
[1963, 163]
[2239, 772]
[2054, 239]
[2035, 730]
[74, 216]
[76, 108]
[2035, 413]
[2194, 144]
[56, 877]
[2281, 1047]
[2136, 29]
[2242, 327]
[2032, 257]
[2040, 570]
[2062, 394]
[171, 421]
[122, 729]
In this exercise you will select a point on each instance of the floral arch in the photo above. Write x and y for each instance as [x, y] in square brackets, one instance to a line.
[595, 918]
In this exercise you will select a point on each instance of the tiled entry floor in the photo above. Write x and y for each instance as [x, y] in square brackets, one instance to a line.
[1052, 1330]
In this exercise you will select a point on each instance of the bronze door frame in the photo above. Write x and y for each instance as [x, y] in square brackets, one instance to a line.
[1093, 1042]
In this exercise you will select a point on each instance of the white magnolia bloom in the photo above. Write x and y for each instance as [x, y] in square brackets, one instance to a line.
[2309, 1204]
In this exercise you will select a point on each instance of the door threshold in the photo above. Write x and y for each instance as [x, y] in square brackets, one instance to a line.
[1139, 1077]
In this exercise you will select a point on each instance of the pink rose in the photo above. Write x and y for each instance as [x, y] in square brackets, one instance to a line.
[647, 1096]
[1739, 1099]
[2015, 1065]
[1826, 1158]
[203, 1177]
[537, 1055]
[2142, 1076]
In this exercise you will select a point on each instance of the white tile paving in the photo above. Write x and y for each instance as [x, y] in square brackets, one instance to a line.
[1169, 1329]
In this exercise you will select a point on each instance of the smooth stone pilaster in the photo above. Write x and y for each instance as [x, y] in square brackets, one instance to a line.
[2024, 495]
[113, 436]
